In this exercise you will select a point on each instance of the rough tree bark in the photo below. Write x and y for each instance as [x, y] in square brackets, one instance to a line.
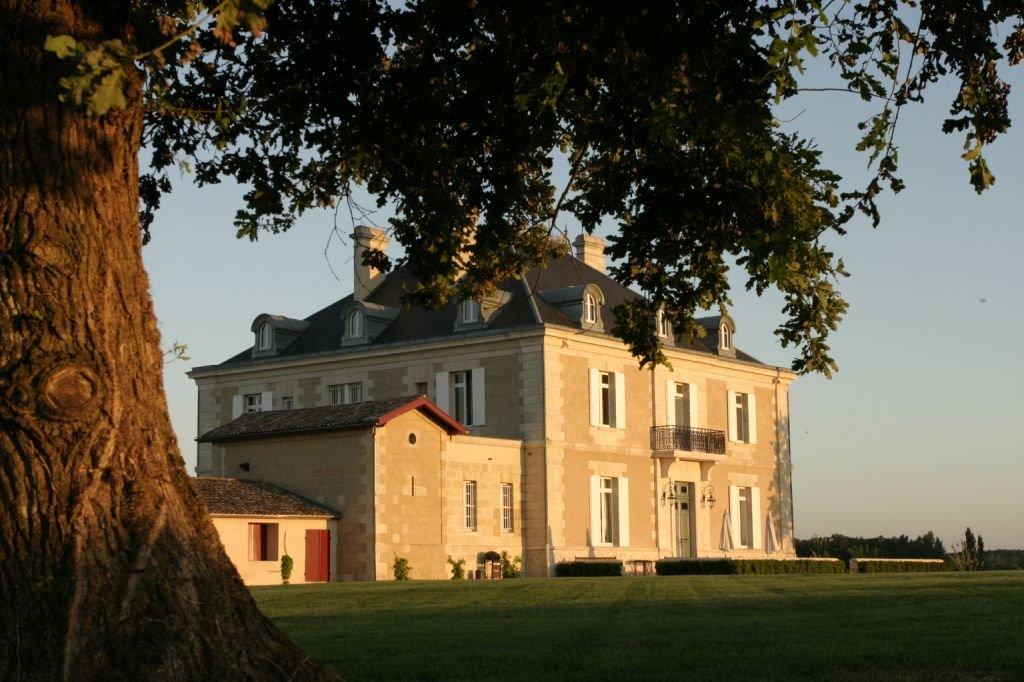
[109, 566]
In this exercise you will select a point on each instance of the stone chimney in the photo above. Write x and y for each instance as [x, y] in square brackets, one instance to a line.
[590, 250]
[365, 278]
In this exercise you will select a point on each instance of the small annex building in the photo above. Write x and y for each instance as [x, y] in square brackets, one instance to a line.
[398, 471]
[258, 523]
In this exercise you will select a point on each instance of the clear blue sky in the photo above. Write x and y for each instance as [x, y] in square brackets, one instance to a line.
[919, 430]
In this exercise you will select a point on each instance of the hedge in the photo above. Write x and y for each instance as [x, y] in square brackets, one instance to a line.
[576, 569]
[747, 566]
[898, 565]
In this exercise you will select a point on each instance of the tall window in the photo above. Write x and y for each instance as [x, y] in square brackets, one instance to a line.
[746, 513]
[609, 510]
[262, 542]
[682, 405]
[346, 394]
[469, 505]
[470, 311]
[662, 324]
[607, 398]
[462, 397]
[355, 324]
[506, 507]
[589, 308]
[266, 336]
[253, 402]
[726, 336]
[741, 412]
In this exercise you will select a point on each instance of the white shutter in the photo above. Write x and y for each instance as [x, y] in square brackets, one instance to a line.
[752, 412]
[236, 406]
[734, 514]
[441, 390]
[595, 397]
[620, 401]
[595, 510]
[756, 522]
[730, 414]
[623, 492]
[670, 402]
[692, 390]
[479, 393]
[267, 401]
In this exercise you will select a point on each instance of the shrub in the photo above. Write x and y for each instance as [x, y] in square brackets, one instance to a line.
[286, 568]
[458, 568]
[898, 566]
[728, 566]
[401, 568]
[510, 568]
[576, 569]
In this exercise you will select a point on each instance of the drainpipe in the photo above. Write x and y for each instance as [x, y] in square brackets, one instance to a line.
[657, 465]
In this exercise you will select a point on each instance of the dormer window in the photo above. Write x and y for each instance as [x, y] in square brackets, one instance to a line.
[589, 308]
[725, 337]
[355, 324]
[470, 311]
[266, 337]
[662, 324]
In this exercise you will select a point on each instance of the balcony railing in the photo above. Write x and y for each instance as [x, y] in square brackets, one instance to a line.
[687, 438]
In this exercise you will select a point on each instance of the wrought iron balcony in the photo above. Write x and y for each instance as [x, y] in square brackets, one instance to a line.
[687, 438]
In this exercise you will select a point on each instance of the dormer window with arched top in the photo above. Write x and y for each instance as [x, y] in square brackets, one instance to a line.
[661, 324]
[470, 311]
[266, 337]
[590, 307]
[355, 324]
[725, 337]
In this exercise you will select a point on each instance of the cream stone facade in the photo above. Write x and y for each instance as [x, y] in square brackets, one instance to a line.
[602, 458]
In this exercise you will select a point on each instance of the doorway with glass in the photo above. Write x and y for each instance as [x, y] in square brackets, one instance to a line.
[682, 508]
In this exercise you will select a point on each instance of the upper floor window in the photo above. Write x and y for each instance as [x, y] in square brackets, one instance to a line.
[470, 311]
[725, 337]
[266, 337]
[462, 397]
[355, 324]
[662, 324]
[742, 420]
[253, 402]
[682, 404]
[607, 399]
[589, 307]
[346, 394]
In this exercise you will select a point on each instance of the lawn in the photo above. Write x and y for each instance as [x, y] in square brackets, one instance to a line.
[919, 626]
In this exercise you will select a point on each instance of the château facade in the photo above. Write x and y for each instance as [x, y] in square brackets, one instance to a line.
[562, 447]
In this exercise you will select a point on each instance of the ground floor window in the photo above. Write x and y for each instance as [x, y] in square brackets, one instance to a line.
[469, 505]
[263, 542]
[746, 517]
[609, 510]
[506, 507]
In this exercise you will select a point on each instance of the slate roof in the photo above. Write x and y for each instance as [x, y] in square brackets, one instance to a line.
[231, 496]
[324, 333]
[326, 418]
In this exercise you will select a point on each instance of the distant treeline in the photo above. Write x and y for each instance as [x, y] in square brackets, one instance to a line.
[844, 547]
[926, 546]
[1003, 559]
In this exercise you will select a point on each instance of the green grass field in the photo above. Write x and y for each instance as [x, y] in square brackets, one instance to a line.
[916, 626]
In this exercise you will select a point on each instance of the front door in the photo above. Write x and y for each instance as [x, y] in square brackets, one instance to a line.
[682, 504]
[318, 555]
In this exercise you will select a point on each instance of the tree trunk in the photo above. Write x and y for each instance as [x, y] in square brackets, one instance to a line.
[109, 565]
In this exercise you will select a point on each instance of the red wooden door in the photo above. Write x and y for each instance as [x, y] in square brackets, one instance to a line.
[318, 556]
